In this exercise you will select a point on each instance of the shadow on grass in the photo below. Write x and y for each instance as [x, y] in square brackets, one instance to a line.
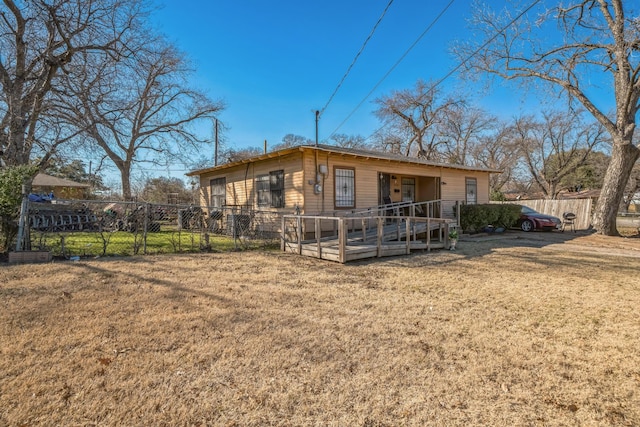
[478, 246]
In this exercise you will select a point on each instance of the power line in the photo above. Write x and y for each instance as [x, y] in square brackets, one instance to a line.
[356, 57]
[461, 64]
[437, 18]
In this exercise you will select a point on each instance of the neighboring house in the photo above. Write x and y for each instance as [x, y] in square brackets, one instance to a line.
[60, 187]
[329, 180]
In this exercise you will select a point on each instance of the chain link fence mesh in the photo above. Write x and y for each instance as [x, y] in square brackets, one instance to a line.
[91, 228]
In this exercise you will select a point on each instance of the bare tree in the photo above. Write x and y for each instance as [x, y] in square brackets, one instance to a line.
[291, 140]
[412, 117]
[497, 150]
[462, 130]
[234, 155]
[591, 37]
[632, 188]
[349, 141]
[555, 147]
[139, 110]
[41, 41]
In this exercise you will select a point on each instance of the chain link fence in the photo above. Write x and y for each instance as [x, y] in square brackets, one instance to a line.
[89, 228]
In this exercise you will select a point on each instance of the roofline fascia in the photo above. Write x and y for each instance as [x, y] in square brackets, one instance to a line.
[302, 148]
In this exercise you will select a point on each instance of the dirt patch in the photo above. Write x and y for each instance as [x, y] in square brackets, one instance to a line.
[519, 329]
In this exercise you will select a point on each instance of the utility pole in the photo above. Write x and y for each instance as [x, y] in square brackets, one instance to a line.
[215, 159]
[317, 117]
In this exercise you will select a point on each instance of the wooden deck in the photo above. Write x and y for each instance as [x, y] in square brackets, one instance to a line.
[344, 239]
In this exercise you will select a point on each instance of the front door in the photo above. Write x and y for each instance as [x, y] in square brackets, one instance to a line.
[384, 188]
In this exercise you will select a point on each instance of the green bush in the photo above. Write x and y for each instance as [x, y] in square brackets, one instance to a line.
[11, 180]
[497, 196]
[475, 218]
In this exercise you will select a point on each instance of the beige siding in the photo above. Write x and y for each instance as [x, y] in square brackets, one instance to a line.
[432, 182]
[453, 185]
[241, 181]
[366, 175]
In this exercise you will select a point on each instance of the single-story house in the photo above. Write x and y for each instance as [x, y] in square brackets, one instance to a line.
[330, 180]
[60, 187]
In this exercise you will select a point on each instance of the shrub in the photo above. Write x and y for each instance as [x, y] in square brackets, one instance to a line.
[11, 180]
[497, 196]
[474, 218]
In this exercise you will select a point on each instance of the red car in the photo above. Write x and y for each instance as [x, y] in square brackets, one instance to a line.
[531, 220]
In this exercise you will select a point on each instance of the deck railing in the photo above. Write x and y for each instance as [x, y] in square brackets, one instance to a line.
[430, 208]
[343, 239]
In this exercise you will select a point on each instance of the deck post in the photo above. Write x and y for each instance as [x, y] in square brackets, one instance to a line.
[446, 235]
[364, 231]
[379, 236]
[342, 240]
[318, 235]
[299, 232]
[428, 234]
[408, 234]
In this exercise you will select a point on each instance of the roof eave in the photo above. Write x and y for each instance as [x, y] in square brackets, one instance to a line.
[339, 151]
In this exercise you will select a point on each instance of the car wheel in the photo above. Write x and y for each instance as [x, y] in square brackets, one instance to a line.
[526, 225]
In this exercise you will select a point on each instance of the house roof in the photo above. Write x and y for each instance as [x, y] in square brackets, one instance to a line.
[369, 154]
[44, 180]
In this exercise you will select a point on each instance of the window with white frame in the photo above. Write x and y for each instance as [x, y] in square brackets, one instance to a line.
[218, 191]
[270, 189]
[345, 191]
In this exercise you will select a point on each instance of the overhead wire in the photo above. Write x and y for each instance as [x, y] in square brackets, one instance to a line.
[373, 30]
[451, 72]
[393, 67]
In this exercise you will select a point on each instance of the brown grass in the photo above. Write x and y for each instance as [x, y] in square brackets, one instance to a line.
[509, 331]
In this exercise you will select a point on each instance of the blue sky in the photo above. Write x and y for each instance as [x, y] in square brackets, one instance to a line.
[275, 62]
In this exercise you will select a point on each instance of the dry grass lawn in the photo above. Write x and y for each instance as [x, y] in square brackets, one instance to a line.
[510, 331]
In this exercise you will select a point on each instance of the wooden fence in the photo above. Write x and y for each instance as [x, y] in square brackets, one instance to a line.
[580, 207]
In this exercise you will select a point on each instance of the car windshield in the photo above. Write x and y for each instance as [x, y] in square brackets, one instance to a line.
[527, 210]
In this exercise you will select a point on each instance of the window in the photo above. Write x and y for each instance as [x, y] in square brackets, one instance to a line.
[345, 193]
[408, 189]
[472, 191]
[218, 189]
[270, 189]
[262, 188]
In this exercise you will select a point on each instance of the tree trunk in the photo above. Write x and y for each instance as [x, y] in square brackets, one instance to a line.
[623, 157]
[126, 183]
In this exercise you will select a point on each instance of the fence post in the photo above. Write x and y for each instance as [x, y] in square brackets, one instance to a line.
[146, 226]
[284, 235]
[299, 232]
[23, 222]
